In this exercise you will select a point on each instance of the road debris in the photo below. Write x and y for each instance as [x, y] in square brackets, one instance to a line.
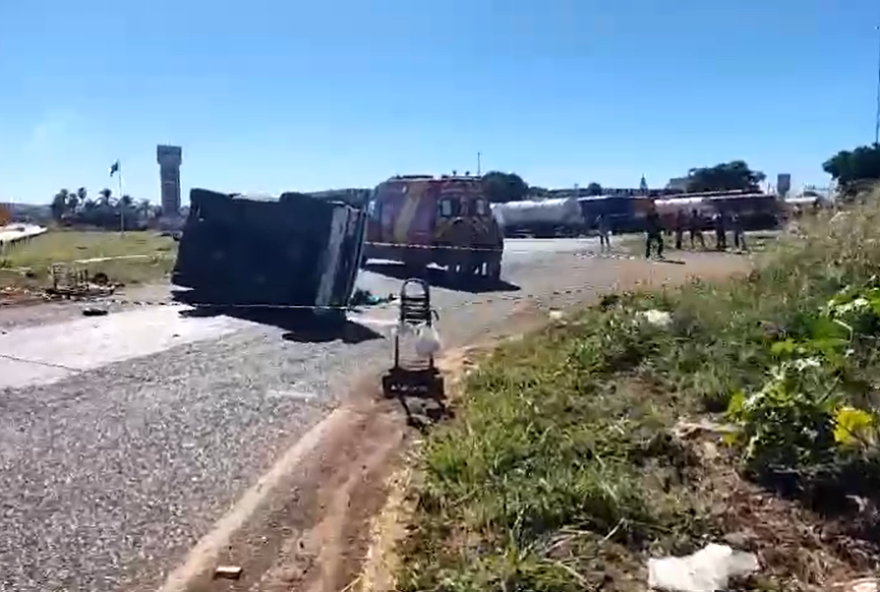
[658, 318]
[227, 572]
[708, 570]
[367, 298]
[859, 585]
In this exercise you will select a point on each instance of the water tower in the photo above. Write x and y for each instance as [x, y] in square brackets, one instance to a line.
[169, 159]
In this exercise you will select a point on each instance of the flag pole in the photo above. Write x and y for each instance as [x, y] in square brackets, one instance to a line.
[119, 200]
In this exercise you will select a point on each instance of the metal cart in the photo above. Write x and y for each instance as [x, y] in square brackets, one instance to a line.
[413, 378]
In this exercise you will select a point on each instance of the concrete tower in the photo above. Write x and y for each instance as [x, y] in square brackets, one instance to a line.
[169, 159]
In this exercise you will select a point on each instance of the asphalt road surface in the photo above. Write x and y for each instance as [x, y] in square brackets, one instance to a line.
[123, 438]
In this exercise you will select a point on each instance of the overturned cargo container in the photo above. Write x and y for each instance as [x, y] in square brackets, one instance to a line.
[293, 250]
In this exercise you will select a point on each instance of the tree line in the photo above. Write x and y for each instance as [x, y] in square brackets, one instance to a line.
[850, 169]
[76, 208]
[502, 187]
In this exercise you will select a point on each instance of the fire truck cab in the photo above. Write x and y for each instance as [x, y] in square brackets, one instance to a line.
[421, 220]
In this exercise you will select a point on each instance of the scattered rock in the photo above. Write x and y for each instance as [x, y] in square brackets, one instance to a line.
[94, 312]
[708, 570]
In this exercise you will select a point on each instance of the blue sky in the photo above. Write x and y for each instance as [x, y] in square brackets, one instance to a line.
[270, 95]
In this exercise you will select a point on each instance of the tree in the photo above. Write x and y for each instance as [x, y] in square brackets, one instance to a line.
[504, 187]
[535, 191]
[105, 194]
[860, 164]
[59, 205]
[72, 202]
[731, 176]
[594, 189]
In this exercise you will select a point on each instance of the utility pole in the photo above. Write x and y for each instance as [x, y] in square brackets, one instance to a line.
[877, 115]
[479, 165]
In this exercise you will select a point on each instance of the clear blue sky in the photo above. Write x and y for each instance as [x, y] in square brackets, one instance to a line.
[269, 95]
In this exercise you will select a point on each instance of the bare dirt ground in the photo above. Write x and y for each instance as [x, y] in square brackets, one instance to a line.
[327, 518]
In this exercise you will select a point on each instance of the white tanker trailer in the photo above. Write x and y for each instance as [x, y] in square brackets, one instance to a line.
[544, 218]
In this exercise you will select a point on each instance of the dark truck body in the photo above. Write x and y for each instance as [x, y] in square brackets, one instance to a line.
[293, 250]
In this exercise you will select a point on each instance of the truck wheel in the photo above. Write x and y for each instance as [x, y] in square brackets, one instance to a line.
[493, 270]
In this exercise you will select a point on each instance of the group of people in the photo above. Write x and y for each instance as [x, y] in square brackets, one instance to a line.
[694, 223]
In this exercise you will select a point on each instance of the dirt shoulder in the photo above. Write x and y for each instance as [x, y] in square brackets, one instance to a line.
[316, 532]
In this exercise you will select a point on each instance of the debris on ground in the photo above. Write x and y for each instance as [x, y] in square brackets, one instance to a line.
[94, 312]
[227, 572]
[685, 430]
[658, 318]
[366, 298]
[708, 570]
[556, 316]
[859, 585]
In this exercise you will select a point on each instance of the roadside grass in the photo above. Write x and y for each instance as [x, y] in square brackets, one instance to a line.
[133, 257]
[566, 467]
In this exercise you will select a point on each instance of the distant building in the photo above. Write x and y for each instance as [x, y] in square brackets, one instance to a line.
[169, 159]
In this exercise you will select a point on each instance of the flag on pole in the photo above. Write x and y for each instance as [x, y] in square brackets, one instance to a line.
[114, 168]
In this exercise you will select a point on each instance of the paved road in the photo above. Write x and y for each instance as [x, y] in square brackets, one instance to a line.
[123, 438]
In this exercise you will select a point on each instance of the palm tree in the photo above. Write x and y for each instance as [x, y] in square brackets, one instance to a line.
[59, 204]
[126, 201]
[105, 194]
[82, 194]
[72, 202]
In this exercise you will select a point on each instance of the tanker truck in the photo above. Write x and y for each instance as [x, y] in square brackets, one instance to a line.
[546, 218]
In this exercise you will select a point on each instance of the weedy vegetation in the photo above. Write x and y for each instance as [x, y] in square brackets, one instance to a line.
[569, 461]
[132, 257]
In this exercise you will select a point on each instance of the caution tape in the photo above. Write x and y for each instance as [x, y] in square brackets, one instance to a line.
[97, 301]
[436, 247]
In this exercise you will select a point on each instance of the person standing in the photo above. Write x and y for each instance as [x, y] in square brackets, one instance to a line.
[604, 233]
[739, 234]
[654, 233]
[720, 231]
[697, 229]
[680, 223]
